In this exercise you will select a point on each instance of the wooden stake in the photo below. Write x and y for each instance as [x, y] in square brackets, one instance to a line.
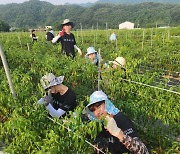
[28, 46]
[20, 41]
[151, 36]
[116, 45]
[168, 33]
[99, 70]
[7, 72]
[94, 40]
[163, 38]
[143, 41]
[81, 34]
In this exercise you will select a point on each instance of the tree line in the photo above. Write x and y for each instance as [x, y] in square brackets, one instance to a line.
[138, 1]
[35, 13]
[4, 27]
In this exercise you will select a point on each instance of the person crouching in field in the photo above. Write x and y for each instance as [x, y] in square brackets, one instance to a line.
[67, 39]
[93, 56]
[118, 135]
[119, 62]
[118, 65]
[59, 98]
[113, 72]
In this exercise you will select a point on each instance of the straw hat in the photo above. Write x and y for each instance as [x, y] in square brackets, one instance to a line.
[67, 22]
[120, 61]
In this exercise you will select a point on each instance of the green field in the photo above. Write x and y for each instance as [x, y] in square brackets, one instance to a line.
[150, 96]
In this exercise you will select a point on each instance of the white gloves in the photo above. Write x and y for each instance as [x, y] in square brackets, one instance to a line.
[79, 50]
[41, 101]
[112, 126]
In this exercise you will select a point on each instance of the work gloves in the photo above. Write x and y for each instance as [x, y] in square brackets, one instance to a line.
[61, 33]
[46, 99]
[79, 50]
[112, 126]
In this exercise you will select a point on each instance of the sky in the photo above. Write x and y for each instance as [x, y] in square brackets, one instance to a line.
[55, 2]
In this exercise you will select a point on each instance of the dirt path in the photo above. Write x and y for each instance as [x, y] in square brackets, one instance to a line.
[171, 77]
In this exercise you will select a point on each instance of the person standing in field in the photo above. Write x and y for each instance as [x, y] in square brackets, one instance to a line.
[59, 98]
[33, 36]
[118, 134]
[113, 37]
[67, 39]
[49, 35]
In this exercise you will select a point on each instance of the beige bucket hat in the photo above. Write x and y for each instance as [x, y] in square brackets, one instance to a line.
[120, 61]
[67, 22]
[50, 80]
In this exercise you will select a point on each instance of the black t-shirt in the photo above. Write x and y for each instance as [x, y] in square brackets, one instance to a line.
[97, 63]
[112, 143]
[34, 37]
[49, 36]
[66, 102]
[68, 41]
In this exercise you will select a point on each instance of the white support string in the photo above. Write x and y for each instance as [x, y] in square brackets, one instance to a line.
[175, 92]
[99, 69]
[74, 133]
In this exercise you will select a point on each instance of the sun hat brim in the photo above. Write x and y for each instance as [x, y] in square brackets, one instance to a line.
[68, 23]
[117, 63]
[96, 97]
[91, 52]
[55, 81]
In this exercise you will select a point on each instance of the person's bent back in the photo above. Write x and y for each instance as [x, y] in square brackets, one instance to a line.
[59, 98]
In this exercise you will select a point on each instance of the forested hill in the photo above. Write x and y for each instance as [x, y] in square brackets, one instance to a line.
[36, 13]
[139, 1]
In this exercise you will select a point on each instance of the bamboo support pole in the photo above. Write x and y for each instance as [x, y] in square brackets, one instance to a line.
[7, 72]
